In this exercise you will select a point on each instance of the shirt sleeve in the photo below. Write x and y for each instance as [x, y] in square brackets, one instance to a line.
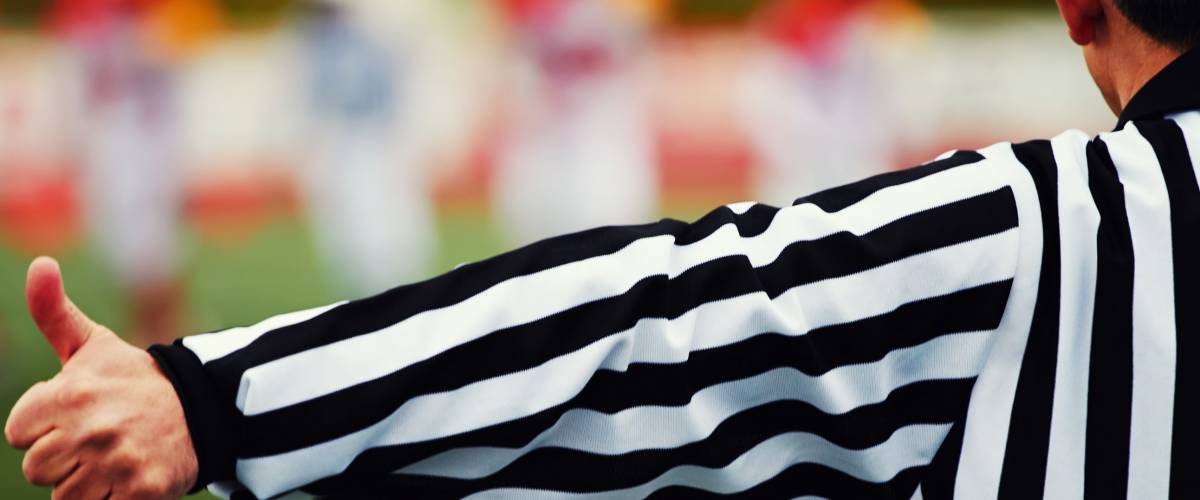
[835, 340]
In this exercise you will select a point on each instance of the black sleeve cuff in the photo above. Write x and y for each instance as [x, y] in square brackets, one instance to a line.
[209, 417]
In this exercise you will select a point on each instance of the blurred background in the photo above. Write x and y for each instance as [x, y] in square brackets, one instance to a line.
[202, 164]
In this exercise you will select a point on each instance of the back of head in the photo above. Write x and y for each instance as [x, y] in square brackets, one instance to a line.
[1174, 23]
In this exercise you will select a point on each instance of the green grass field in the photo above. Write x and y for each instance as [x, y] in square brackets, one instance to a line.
[276, 270]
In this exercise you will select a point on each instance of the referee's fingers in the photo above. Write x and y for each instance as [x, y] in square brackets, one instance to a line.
[50, 460]
[32, 416]
[65, 327]
[86, 483]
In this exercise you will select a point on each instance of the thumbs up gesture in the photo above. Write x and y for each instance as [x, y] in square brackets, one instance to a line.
[109, 425]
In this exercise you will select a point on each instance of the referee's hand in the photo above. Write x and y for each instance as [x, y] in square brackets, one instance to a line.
[109, 425]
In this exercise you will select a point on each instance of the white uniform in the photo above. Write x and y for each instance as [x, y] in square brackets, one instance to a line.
[814, 121]
[579, 151]
[133, 187]
[367, 192]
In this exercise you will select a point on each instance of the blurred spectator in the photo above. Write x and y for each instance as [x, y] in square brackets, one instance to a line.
[579, 149]
[811, 101]
[370, 204]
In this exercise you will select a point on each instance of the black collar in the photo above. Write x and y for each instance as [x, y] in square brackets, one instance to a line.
[1175, 88]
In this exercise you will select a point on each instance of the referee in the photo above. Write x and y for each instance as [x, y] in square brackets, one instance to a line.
[1016, 322]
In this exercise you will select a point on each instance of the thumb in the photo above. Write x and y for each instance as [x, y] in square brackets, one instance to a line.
[63, 324]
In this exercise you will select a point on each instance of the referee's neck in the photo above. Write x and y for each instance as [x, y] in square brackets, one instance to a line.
[1133, 67]
[1120, 57]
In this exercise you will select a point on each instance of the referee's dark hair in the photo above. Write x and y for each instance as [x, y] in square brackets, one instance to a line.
[1175, 23]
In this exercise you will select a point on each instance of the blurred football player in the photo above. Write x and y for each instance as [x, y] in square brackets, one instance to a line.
[369, 200]
[809, 99]
[579, 151]
[133, 191]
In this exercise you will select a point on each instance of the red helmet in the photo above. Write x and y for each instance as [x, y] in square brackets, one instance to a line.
[808, 24]
[77, 17]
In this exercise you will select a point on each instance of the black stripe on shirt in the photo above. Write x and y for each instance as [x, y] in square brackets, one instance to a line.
[815, 353]
[563, 469]
[1184, 195]
[798, 480]
[976, 309]
[811, 479]
[841, 197]
[937, 483]
[804, 262]
[1024, 470]
[391, 307]
[1110, 375]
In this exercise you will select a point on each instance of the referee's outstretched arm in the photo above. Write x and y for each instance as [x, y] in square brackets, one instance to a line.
[1011, 322]
[839, 337]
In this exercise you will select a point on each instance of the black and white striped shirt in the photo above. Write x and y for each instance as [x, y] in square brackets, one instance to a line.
[1018, 322]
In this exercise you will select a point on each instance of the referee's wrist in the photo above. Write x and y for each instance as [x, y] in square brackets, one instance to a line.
[209, 422]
